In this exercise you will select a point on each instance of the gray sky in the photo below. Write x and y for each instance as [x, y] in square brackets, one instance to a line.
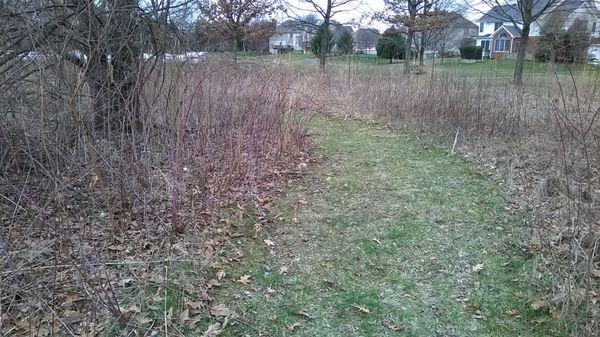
[362, 13]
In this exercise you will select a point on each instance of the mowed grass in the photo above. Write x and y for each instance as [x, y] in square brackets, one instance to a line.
[385, 238]
[534, 73]
[506, 68]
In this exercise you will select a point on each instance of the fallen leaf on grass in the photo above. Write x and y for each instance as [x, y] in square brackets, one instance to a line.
[478, 315]
[70, 299]
[361, 308]
[221, 274]
[294, 326]
[125, 282]
[184, 316]
[305, 314]
[269, 243]
[390, 324]
[554, 312]
[478, 267]
[129, 312]
[213, 330]
[511, 312]
[193, 321]
[73, 317]
[538, 304]
[245, 279]
[220, 310]
[195, 305]
[283, 270]
[212, 284]
[377, 241]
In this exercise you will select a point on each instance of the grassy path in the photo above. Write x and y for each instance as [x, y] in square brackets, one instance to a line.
[386, 238]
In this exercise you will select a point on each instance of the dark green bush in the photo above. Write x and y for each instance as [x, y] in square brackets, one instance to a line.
[391, 45]
[471, 52]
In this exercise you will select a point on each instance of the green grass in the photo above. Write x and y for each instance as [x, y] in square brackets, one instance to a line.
[534, 72]
[392, 227]
[503, 68]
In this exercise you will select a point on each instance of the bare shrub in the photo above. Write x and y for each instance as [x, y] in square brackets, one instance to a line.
[82, 211]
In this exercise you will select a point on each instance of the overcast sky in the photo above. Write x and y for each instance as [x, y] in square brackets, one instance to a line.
[362, 13]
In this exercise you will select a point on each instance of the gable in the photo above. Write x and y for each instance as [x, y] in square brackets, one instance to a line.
[510, 30]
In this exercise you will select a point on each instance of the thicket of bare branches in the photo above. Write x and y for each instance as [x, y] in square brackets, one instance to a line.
[114, 139]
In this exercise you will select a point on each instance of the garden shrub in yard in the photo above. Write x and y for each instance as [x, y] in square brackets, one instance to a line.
[471, 52]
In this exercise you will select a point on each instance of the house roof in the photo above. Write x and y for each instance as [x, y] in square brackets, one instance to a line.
[511, 12]
[461, 21]
[569, 5]
[512, 30]
[367, 31]
[293, 26]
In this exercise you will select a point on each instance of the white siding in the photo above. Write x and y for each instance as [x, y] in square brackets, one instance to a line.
[489, 27]
[583, 13]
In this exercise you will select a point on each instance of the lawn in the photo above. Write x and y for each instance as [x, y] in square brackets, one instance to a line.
[505, 68]
[384, 237]
[534, 72]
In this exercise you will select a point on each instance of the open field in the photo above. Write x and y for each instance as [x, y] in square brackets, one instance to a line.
[449, 204]
[160, 176]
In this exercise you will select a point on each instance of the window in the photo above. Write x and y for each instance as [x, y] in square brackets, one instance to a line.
[481, 26]
[502, 43]
[497, 25]
[485, 45]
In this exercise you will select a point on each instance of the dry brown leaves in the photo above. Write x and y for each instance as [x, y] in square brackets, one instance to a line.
[69, 272]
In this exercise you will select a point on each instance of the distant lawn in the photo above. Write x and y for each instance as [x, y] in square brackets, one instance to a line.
[534, 72]
[505, 68]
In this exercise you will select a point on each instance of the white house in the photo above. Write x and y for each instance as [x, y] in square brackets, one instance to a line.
[447, 40]
[290, 36]
[499, 37]
[366, 40]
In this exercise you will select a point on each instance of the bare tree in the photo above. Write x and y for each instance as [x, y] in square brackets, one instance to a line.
[444, 29]
[417, 16]
[231, 19]
[326, 10]
[406, 13]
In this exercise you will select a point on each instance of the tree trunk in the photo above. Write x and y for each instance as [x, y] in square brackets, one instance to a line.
[412, 13]
[324, 44]
[518, 75]
[100, 93]
[408, 50]
[125, 65]
[422, 49]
